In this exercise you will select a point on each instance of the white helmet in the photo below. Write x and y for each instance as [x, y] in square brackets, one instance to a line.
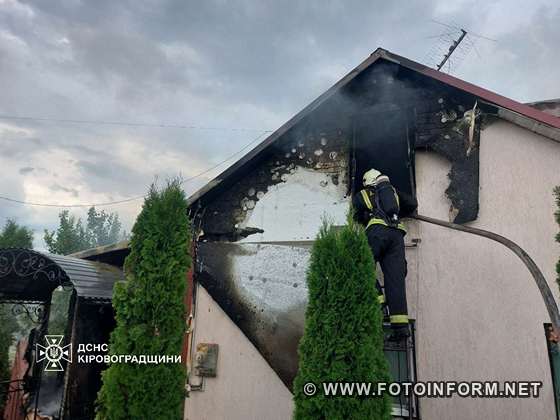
[370, 177]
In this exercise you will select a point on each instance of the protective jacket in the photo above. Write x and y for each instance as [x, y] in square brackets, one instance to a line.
[386, 240]
[366, 212]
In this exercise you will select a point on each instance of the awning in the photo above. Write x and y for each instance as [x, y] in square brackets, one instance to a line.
[27, 275]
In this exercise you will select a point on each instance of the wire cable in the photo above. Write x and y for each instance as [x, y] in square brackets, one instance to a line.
[122, 123]
[126, 200]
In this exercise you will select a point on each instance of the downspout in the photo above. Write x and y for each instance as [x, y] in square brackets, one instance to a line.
[538, 276]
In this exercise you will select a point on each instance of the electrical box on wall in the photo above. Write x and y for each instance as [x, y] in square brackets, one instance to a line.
[206, 359]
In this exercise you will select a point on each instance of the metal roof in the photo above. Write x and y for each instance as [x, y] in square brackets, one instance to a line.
[516, 112]
[32, 276]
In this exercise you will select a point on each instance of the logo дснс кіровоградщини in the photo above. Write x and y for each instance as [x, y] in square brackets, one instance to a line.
[54, 352]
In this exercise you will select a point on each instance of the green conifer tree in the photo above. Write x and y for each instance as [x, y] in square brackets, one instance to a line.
[149, 311]
[13, 235]
[343, 338]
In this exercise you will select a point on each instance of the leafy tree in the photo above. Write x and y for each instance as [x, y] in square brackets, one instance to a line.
[12, 235]
[69, 237]
[58, 318]
[8, 326]
[15, 236]
[101, 228]
[149, 312]
[343, 338]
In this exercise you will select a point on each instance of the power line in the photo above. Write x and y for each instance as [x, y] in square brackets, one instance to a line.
[122, 123]
[126, 200]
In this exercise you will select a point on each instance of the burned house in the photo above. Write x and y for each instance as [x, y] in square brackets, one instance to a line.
[470, 156]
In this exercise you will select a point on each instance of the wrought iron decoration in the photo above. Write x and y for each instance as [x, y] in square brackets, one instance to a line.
[26, 264]
[36, 313]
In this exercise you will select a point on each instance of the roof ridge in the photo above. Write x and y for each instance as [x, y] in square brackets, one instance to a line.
[550, 121]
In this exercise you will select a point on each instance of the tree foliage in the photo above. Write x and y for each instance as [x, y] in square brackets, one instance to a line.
[343, 338]
[149, 311]
[72, 235]
[8, 326]
[13, 235]
[102, 228]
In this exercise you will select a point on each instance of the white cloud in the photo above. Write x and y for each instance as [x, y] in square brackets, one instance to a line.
[250, 64]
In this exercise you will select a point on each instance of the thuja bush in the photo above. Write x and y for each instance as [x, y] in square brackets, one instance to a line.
[343, 338]
[149, 312]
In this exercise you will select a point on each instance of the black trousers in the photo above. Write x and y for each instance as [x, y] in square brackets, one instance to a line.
[387, 246]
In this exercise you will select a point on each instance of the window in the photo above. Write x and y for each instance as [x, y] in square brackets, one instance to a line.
[554, 357]
[402, 365]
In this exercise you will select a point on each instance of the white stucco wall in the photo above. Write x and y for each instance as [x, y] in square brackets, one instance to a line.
[294, 210]
[246, 387]
[479, 314]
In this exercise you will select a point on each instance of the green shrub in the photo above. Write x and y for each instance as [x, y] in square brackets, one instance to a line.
[343, 338]
[149, 311]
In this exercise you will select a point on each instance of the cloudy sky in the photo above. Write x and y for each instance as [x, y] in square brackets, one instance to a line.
[223, 71]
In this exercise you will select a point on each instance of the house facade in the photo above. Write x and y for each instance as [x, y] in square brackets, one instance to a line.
[470, 157]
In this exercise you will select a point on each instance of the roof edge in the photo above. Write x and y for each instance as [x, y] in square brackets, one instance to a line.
[485, 94]
[104, 249]
[548, 125]
[378, 53]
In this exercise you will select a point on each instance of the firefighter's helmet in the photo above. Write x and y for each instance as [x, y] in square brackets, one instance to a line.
[370, 177]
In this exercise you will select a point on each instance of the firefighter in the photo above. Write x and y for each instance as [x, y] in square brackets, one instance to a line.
[379, 207]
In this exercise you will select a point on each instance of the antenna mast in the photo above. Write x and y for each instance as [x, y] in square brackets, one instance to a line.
[452, 48]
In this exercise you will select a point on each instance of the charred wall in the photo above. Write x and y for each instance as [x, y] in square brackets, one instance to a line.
[319, 143]
[262, 289]
[441, 123]
[260, 283]
[261, 286]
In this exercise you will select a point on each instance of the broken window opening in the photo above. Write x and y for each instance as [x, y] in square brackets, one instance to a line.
[384, 140]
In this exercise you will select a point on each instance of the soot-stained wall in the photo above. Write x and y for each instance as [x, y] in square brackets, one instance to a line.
[272, 214]
[320, 144]
[439, 121]
[256, 228]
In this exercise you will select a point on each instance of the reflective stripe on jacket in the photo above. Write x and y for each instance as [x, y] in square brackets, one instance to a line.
[376, 220]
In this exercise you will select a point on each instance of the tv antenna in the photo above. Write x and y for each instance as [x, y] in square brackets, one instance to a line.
[454, 46]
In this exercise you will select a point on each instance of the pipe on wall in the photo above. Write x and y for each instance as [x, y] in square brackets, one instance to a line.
[540, 281]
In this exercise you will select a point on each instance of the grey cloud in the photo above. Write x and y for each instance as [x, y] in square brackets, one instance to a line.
[219, 64]
[26, 170]
[57, 187]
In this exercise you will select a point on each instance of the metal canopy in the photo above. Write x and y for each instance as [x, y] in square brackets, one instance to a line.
[27, 275]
